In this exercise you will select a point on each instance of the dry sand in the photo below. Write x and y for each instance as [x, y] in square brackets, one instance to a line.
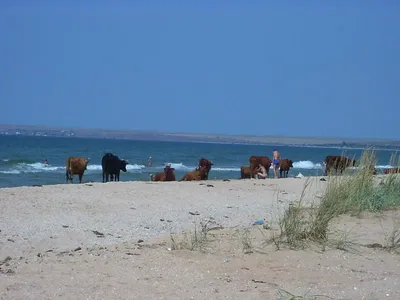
[82, 241]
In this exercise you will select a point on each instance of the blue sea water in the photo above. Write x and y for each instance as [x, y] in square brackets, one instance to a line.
[22, 158]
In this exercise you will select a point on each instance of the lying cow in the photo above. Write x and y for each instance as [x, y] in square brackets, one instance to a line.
[247, 172]
[167, 175]
[75, 166]
[391, 171]
[196, 175]
[338, 162]
[284, 167]
[111, 166]
[203, 162]
[255, 161]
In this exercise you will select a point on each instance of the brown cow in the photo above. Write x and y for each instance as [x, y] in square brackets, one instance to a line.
[196, 175]
[260, 160]
[391, 171]
[247, 172]
[285, 165]
[204, 162]
[167, 175]
[338, 162]
[75, 166]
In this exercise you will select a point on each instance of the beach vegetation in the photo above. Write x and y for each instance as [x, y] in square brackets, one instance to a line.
[353, 193]
[193, 240]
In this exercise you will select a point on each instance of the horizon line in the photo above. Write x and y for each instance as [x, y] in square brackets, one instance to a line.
[341, 139]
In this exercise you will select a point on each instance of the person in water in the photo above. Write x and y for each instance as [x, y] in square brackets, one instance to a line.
[149, 162]
[275, 162]
[46, 162]
[262, 172]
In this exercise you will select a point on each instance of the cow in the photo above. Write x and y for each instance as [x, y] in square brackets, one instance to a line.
[196, 175]
[75, 166]
[203, 162]
[111, 166]
[338, 162]
[285, 165]
[391, 171]
[247, 172]
[260, 160]
[167, 175]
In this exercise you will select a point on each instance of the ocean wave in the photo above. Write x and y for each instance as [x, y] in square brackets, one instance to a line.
[306, 164]
[18, 167]
[10, 172]
[128, 167]
[179, 166]
[227, 169]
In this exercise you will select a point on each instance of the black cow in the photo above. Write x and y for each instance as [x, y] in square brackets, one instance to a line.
[112, 165]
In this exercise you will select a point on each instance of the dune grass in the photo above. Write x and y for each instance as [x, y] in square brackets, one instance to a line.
[354, 192]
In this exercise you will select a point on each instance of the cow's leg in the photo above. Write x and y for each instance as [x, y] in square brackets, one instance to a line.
[67, 175]
[103, 176]
[80, 177]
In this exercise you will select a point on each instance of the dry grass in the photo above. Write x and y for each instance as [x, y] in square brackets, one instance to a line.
[353, 193]
[285, 295]
[195, 240]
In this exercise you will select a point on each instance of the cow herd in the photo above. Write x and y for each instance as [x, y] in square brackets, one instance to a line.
[255, 161]
[112, 165]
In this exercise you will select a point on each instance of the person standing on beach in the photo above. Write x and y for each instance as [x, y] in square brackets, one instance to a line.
[275, 162]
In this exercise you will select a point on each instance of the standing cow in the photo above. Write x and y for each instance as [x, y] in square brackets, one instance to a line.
[284, 167]
[111, 166]
[338, 163]
[75, 166]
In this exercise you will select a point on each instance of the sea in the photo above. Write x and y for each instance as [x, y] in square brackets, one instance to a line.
[22, 158]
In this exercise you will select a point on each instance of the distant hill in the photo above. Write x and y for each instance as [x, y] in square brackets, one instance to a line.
[31, 130]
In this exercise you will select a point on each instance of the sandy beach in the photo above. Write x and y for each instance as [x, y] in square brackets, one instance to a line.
[112, 241]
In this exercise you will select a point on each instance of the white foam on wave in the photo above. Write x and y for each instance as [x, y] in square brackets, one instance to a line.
[41, 167]
[227, 169]
[182, 167]
[306, 164]
[5, 159]
[128, 167]
[11, 172]
[179, 166]
[385, 166]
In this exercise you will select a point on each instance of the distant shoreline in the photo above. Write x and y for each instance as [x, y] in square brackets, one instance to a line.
[52, 131]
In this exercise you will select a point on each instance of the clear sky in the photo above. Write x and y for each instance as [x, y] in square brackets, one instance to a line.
[291, 68]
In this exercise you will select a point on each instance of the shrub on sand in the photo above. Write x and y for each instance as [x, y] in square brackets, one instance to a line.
[351, 193]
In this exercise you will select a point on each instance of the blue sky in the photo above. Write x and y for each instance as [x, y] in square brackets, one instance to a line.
[291, 68]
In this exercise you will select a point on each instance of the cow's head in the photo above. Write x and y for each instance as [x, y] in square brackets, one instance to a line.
[168, 169]
[169, 172]
[85, 162]
[122, 165]
[290, 163]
